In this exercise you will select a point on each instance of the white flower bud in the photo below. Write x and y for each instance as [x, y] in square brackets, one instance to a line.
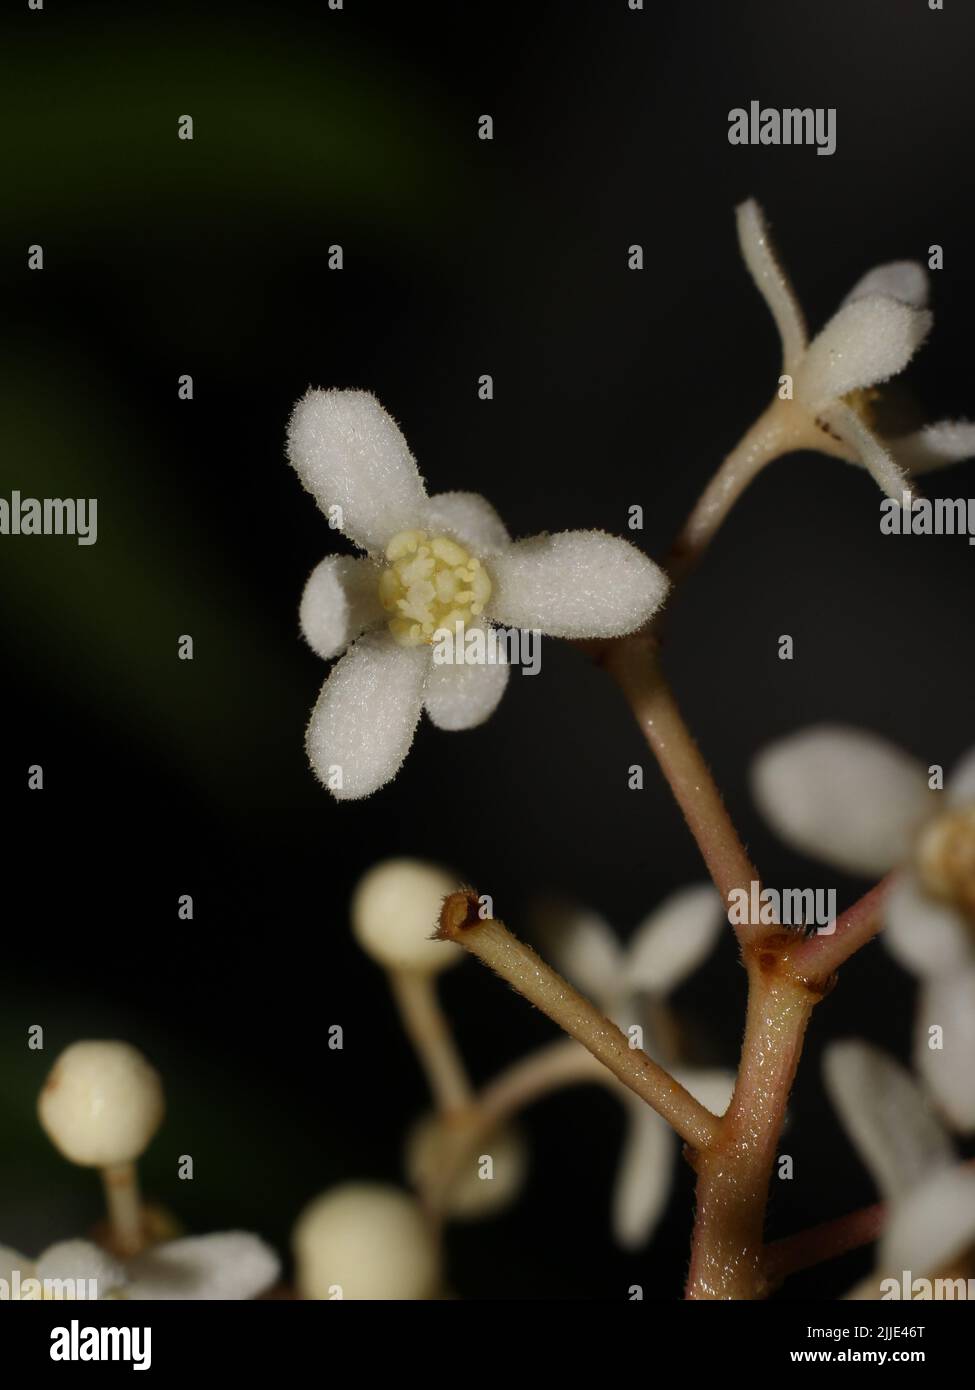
[365, 1241]
[487, 1174]
[396, 909]
[101, 1103]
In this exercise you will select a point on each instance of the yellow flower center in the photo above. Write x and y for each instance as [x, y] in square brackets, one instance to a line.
[429, 584]
[946, 859]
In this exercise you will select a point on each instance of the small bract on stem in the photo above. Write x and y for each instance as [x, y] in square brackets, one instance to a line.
[101, 1105]
[392, 912]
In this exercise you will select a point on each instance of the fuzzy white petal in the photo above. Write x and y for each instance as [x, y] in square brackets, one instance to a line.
[470, 519]
[350, 453]
[712, 1086]
[461, 697]
[935, 446]
[366, 715]
[869, 451]
[865, 342]
[230, 1265]
[340, 602]
[674, 939]
[644, 1176]
[842, 795]
[932, 1226]
[773, 284]
[78, 1260]
[903, 280]
[961, 784]
[575, 584]
[924, 935]
[947, 1002]
[584, 948]
[887, 1116]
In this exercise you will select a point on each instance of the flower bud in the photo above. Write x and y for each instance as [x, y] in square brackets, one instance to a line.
[365, 1241]
[395, 910]
[101, 1103]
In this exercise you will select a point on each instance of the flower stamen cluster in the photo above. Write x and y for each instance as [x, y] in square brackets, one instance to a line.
[430, 585]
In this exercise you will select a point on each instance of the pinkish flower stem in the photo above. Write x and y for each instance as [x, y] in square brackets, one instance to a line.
[827, 1241]
[787, 975]
[494, 945]
[822, 954]
[727, 1247]
[633, 664]
[824, 1242]
[780, 429]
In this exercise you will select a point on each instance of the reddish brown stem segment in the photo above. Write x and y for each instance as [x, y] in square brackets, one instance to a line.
[633, 664]
[821, 955]
[825, 1242]
[727, 1249]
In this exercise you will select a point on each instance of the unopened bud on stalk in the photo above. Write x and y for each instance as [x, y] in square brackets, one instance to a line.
[395, 910]
[101, 1103]
[365, 1241]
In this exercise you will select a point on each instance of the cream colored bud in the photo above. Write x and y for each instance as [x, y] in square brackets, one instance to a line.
[365, 1241]
[395, 910]
[101, 1103]
[486, 1174]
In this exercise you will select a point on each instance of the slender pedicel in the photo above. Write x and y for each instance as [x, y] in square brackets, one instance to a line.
[526, 972]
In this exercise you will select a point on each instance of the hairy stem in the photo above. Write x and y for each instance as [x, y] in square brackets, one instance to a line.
[818, 957]
[824, 1242]
[781, 428]
[727, 1250]
[542, 986]
[634, 666]
[829, 1240]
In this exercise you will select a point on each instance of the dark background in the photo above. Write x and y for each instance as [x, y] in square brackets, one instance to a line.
[612, 388]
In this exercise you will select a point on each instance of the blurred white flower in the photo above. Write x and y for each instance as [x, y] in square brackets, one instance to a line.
[672, 942]
[366, 1241]
[855, 801]
[872, 337]
[438, 1144]
[431, 563]
[230, 1265]
[912, 1159]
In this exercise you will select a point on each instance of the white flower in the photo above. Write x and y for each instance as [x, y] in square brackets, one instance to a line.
[857, 802]
[665, 948]
[436, 1144]
[230, 1265]
[366, 1241]
[430, 563]
[912, 1159]
[872, 337]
